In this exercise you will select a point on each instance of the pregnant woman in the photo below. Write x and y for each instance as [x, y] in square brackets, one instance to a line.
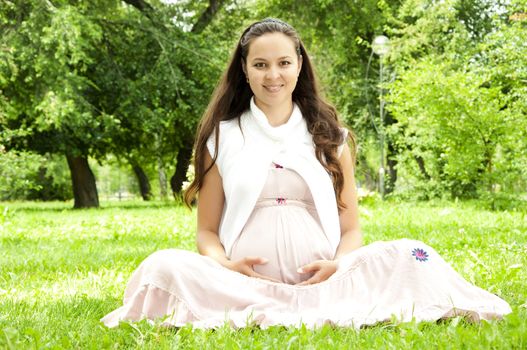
[278, 228]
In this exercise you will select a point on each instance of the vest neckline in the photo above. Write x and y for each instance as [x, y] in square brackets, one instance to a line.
[280, 132]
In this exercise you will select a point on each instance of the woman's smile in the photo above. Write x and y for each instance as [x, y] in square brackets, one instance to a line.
[273, 88]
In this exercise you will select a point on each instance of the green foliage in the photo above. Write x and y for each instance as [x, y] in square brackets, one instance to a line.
[155, 78]
[62, 270]
[26, 175]
[44, 76]
[100, 77]
[18, 174]
[459, 102]
[53, 180]
[457, 126]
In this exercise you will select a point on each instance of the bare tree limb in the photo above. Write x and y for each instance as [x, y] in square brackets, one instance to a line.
[207, 16]
[141, 5]
[202, 22]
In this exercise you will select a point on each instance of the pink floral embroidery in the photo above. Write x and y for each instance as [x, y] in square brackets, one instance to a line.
[420, 254]
[278, 166]
[280, 201]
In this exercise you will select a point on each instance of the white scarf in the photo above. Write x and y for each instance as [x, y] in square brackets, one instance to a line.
[243, 161]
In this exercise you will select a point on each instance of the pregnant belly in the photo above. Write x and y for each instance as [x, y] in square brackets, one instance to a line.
[288, 236]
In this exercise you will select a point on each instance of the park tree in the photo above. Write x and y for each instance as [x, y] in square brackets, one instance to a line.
[45, 51]
[85, 79]
[179, 88]
[459, 98]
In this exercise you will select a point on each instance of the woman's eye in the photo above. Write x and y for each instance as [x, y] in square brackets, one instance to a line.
[259, 65]
[285, 63]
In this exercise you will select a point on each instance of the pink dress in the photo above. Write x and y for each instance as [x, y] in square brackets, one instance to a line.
[402, 279]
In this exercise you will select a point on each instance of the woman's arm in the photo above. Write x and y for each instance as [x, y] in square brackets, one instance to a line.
[350, 234]
[210, 207]
[211, 199]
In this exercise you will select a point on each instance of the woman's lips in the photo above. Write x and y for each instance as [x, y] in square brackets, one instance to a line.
[273, 88]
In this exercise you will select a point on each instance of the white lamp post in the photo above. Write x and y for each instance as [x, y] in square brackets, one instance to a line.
[381, 46]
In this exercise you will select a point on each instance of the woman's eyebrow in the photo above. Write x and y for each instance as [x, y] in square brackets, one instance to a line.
[264, 59]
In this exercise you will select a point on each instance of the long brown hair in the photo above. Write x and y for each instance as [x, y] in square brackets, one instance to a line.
[232, 97]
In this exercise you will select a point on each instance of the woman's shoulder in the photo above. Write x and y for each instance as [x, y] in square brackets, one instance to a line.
[345, 132]
[230, 128]
[229, 133]
[227, 125]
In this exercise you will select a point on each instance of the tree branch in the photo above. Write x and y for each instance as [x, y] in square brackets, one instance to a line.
[207, 16]
[141, 5]
[202, 22]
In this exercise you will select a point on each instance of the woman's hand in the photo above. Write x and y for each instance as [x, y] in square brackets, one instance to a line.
[322, 269]
[245, 266]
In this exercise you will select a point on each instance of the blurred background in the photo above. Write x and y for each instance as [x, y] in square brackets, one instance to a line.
[100, 100]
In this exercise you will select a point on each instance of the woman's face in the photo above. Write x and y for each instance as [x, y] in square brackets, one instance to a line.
[272, 67]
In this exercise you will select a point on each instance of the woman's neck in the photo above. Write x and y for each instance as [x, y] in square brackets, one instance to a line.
[276, 115]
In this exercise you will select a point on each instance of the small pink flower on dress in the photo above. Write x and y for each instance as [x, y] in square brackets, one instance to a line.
[278, 166]
[420, 254]
[280, 201]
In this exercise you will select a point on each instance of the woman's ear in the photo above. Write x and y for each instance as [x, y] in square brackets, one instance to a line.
[299, 64]
[244, 67]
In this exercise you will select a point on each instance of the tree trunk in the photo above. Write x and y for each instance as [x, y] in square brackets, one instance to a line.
[421, 163]
[391, 157]
[391, 162]
[162, 175]
[180, 175]
[144, 183]
[369, 175]
[83, 182]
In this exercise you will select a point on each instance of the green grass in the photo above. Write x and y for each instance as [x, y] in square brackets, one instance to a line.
[61, 270]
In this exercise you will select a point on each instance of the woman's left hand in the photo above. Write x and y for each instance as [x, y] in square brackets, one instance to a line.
[322, 269]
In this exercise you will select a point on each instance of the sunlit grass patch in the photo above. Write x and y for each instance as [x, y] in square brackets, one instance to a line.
[61, 270]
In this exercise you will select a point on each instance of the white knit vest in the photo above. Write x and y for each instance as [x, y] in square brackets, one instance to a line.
[244, 157]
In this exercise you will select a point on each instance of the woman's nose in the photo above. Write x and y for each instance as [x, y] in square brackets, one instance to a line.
[272, 72]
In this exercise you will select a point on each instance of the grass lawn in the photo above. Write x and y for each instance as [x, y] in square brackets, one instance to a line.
[61, 270]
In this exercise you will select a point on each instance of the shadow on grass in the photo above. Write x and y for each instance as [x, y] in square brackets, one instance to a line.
[42, 207]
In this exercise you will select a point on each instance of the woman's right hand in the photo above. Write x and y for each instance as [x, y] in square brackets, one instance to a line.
[245, 266]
